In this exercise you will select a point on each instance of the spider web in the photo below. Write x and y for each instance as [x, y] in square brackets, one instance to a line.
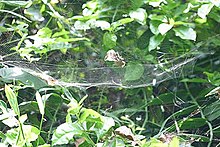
[130, 76]
[105, 76]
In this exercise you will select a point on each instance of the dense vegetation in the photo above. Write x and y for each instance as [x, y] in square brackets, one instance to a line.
[180, 109]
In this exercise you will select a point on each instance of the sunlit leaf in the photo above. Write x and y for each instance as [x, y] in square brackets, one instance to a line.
[12, 99]
[175, 142]
[30, 133]
[44, 32]
[65, 133]
[204, 10]
[164, 28]
[23, 76]
[121, 22]
[215, 2]
[40, 103]
[140, 15]
[185, 33]
[155, 41]
[34, 14]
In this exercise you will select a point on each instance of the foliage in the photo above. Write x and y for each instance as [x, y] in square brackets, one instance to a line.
[35, 111]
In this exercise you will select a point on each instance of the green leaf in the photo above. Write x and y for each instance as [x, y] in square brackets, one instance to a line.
[140, 15]
[137, 3]
[40, 103]
[154, 24]
[213, 78]
[44, 32]
[12, 99]
[194, 80]
[155, 41]
[204, 10]
[109, 40]
[34, 14]
[133, 72]
[89, 112]
[3, 106]
[120, 22]
[31, 133]
[163, 28]
[175, 142]
[192, 123]
[212, 111]
[108, 123]
[65, 133]
[185, 33]
[23, 76]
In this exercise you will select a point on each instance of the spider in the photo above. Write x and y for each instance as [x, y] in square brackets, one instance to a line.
[114, 56]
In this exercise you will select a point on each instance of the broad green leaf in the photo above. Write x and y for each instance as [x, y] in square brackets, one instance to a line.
[8, 74]
[140, 15]
[133, 71]
[213, 78]
[108, 123]
[40, 102]
[89, 112]
[154, 24]
[65, 133]
[137, 3]
[44, 32]
[175, 142]
[12, 99]
[212, 111]
[79, 25]
[30, 133]
[74, 107]
[185, 33]
[155, 41]
[120, 22]
[164, 28]
[192, 123]
[34, 14]
[109, 40]
[204, 10]
[104, 25]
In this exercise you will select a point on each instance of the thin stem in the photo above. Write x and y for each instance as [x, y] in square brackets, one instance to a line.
[146, 111]
[202, 115]
[40, 128]
[51, 126]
